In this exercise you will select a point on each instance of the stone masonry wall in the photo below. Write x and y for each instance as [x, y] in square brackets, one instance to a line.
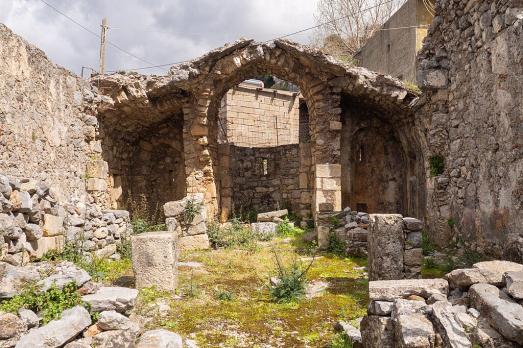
[471, 70]
[259, 117]
[265, 179]
[45, 132]
[33, 222]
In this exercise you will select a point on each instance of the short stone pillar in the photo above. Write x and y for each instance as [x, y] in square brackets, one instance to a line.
[386, 246]
[154, 259]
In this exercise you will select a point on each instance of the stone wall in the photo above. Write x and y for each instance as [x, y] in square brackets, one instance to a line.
[394, 247]
[393, 51]
[471, 72]
[251, 116]
[46, 130]
[270, 178]
[33, 222]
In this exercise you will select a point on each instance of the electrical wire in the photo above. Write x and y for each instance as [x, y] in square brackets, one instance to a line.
[94, 33]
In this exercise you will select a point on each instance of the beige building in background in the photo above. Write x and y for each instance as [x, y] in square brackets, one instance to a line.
[394, 51]
[253, 116]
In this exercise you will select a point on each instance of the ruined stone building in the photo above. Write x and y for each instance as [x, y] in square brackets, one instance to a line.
[450, 156]
[392, 50]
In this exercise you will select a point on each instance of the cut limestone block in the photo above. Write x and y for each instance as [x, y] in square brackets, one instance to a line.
[377, 332]
[154, 260]
[53, 225]
[389, 290]
[386, 246]
[271, 215]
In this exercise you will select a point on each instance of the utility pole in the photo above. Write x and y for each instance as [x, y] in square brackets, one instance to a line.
[103, 37]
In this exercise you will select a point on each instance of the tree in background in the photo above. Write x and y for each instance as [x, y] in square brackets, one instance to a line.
[350, 23]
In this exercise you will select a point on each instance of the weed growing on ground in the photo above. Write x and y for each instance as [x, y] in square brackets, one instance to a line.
[426, 245]
[287, 229]
[49, 304]
[341, 340]
[224, 296]
[141, 225]
[234, 235]
[336, 245]
[291, 281]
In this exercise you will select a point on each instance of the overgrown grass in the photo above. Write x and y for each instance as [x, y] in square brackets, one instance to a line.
[102, 270]
[341, 340]
[49, 304]
[141, 225]
[426, 245]
[251, 318]
[235, 234]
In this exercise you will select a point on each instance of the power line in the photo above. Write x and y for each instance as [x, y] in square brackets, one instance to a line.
[290, 34]
[94, 33]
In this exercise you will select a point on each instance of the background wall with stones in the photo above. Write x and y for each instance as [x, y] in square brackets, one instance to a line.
[471, 68]
[259, 117]
[265, 179]
[44, 132]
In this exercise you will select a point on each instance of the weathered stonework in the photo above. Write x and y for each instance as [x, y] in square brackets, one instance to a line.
[470, 70]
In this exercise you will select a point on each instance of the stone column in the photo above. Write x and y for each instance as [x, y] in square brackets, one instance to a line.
[154, 260]
[386, 247]
[198, 160]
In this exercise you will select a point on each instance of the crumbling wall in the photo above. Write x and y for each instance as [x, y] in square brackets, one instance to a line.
[271, 178]
[45, 131]
[471, 70]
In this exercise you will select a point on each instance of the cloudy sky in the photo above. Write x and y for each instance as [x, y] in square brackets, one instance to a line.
[159, 31]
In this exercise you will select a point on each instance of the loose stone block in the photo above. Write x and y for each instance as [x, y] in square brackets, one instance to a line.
[414, 331]
[389, 290]
[452, 332]
[514, 283]
[154, 260]
[53, 225]
[413, 224]
[385, 246]
[45, 244]
[271, 215]
[497, 269]
[413, 257]
[377, 332]
[196, 242]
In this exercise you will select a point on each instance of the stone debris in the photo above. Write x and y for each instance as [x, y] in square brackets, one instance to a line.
[118, 299]
[315, 288]
[159, 338]
[514, 284]
[57, 332]
[434, 312]
[11, 328]
[352, 333]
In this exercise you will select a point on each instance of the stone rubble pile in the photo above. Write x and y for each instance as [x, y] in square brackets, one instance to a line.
[477, 307]
[33, 221]
[116, 325]
[348, 226]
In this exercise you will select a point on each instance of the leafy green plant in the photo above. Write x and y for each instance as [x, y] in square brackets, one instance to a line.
[192, 208]
[141, 225]
[50, 304]
[336, 245]
[437, 165]
[234, 235]
[71, 252]
[287, 229]
[451, 222]
[225, 296]
[341, 340]
[291, 281]
[426, 245]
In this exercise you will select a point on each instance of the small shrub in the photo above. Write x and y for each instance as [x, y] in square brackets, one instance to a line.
[291, 285]
[341, 340]
[50, 304]
[429, 263]
[71, 252]
[336, 245]
[234, 235]
[192, 208]
[426, 245]
[224, 296]
[437, 165]
[141, 225]
[451, 222]
[287, 229]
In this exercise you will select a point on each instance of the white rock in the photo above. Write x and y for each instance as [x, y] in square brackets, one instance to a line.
[29, 317]
[57, 332]
[159, 338]
[514, 284]
[119, 299]
[451, 330]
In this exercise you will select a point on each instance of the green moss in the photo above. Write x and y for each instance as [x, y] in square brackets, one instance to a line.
[250, 318]
[437, 165]
[412, 87]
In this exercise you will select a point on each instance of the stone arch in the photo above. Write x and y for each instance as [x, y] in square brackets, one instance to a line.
[194, 90]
